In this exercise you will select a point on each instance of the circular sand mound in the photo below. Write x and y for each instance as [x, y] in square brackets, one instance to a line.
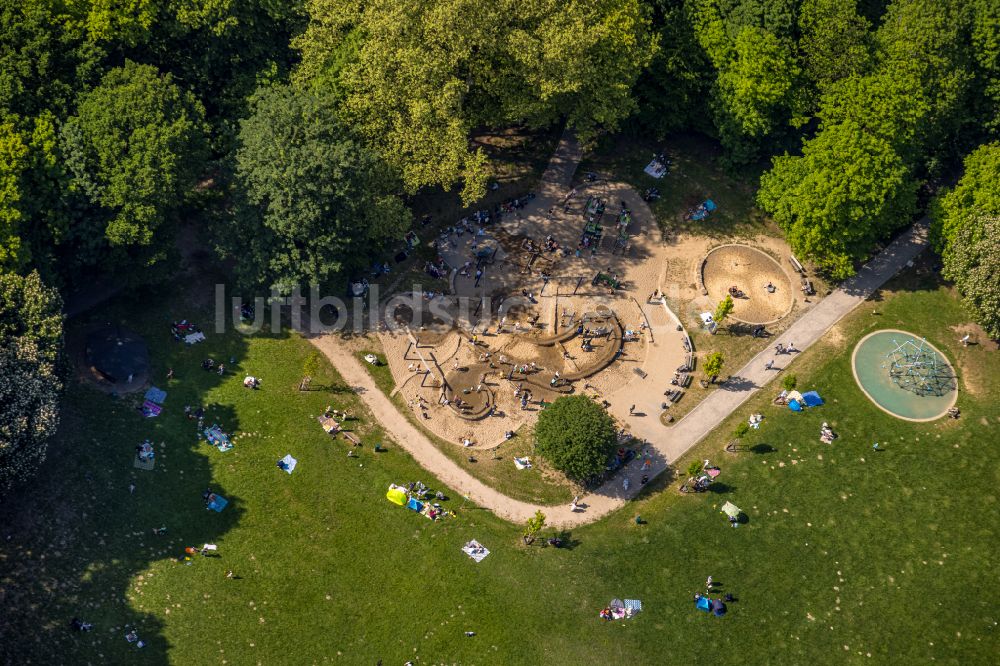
[749, 270]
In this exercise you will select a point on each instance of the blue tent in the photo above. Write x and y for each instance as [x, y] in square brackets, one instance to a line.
[718, 608]
[812, 399]
[709, 205]
[415, 504]
[794, 406]
[703, 603]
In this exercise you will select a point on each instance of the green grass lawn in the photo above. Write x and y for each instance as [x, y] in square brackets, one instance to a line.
[845, 553]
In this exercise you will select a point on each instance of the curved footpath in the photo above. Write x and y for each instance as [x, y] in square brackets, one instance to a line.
[666, 444]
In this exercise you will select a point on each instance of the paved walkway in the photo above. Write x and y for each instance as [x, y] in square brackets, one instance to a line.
[667, 444]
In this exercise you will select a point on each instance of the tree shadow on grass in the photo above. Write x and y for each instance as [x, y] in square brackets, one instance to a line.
[762, 449]
[736, 383]
[77, 535]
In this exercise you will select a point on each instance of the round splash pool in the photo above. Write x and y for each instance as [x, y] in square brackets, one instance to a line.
[904, 375]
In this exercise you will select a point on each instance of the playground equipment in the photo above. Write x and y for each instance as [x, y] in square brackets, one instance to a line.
[914, 367]
[592, 232]
[594, 210]
[607, 280]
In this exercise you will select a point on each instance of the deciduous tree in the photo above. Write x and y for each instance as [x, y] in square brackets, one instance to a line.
[313, 200]
[30, 347]
[966, 230]
[847, 191]
[135, 148]
[427, 71]
[576, 435]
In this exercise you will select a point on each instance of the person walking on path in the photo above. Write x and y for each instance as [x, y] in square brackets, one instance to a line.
[631, 410]
[770, 364]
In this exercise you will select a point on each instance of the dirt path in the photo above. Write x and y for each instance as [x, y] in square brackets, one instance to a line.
[667, 444]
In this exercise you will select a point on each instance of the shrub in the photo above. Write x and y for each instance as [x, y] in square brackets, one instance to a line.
[741, 430]
[576, 436]
[694, 469]
[788, 382]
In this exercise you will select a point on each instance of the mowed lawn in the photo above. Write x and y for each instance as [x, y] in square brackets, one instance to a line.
[848, 555]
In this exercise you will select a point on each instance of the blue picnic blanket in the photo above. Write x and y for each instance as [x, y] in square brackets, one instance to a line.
[288, 463]
[633, 605]
[218, 439]
[155, 395]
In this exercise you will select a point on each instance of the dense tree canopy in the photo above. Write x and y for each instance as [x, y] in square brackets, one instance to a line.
[422, 74]
[847, 191]
[111, 110]
[966, 226]
[135, 148]
[314, 201]
[576, 435]
[30, 347]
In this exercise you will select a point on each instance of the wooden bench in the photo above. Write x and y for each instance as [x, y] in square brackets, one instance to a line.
[690, 362]
[795, 264]
[685, 381]
[676, 395]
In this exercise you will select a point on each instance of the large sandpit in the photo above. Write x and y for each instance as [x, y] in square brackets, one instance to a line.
[749, 270]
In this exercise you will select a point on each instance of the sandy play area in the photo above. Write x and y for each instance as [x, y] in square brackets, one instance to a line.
[566, 298]
[766, 288]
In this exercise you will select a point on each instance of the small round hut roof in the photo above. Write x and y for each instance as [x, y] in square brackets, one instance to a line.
[117, 353]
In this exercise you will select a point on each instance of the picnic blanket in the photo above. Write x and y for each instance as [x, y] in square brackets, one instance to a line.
[329, 425]
[218, 503]
[703, 210]
[656, 169]
[633, 605]
[731, 510]
[194, 338]
[415, 505]
[218, 439]
[475, 550]
[150, 409]
[522, 463]
[155, 395]
[288, 463]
